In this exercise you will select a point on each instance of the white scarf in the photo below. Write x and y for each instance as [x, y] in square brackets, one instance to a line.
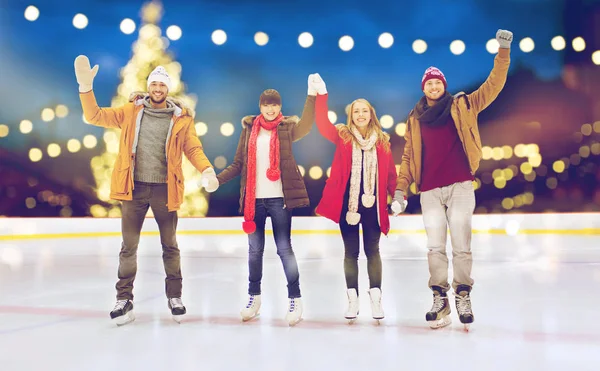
[369, 174]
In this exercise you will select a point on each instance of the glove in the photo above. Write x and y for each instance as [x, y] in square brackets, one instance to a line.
[209, 180]
[318, 84]
[504, 38]
[85, 75]
[311, 87]
[399, 203]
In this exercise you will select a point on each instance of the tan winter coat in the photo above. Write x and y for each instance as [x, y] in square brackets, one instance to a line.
[181, 139]
[464, 111]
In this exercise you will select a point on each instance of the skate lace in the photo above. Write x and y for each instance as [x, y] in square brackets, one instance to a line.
[120, 305]
[250, 302]
[463, 304]
[438, 303]
[176, 302]
[292, 305]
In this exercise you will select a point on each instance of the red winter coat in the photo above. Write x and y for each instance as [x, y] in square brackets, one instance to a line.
[341, 167]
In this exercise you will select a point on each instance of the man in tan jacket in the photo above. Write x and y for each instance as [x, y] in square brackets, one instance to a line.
[441, 155]
[156, 130]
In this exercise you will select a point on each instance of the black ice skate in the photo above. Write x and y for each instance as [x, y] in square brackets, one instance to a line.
[177, 309]
[122, 313]
[463, 305]
[439, 315]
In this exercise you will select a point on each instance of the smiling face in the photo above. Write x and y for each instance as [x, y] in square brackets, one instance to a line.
[158, 92]
[270, 111]
[361, 114]
[434, 89]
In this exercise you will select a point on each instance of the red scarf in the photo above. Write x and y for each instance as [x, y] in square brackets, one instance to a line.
[273, 172]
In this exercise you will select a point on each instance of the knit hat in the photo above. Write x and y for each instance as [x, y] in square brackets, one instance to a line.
[433, 73]
[159, 74]
[269, 96]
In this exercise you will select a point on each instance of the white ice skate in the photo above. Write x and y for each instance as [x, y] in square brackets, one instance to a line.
[353, 305]
[122, 313]
[294, 314]
[252, 308]
[376, 307]
[177, 309]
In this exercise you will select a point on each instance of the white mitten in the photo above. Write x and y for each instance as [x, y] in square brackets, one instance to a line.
[312, 90]
[504, 38]
[399, 203]
[84, 73]
[319, 84]
[209, 180]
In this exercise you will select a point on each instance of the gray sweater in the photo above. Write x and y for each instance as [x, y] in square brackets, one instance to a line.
[150, 159]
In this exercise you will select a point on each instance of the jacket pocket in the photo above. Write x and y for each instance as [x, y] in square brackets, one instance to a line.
[476, 138]
[121, 181]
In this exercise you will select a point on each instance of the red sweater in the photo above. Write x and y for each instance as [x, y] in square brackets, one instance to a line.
[444, 159]
[330, 205]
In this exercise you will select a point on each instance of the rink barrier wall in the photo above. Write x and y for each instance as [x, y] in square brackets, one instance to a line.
[500, 224]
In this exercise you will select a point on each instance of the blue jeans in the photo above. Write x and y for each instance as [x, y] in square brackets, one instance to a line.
[281, 219]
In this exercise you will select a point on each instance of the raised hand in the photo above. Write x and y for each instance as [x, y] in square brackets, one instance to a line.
[318, 84]
[504, 38]
[312, 90]
[84, 73]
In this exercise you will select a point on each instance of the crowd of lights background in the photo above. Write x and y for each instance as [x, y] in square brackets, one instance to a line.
[541, 136]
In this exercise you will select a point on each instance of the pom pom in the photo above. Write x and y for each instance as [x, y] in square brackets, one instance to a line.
[249, 227]
[352, 218]
[368, 200]
[273, 174]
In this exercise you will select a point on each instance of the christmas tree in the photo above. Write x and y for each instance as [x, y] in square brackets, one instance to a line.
[149, 51]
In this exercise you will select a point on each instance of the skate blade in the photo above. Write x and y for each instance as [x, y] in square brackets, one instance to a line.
[124, 319]
[246, 319]
[177, 317]
[467, 326]
[442, 322]
[294, 322]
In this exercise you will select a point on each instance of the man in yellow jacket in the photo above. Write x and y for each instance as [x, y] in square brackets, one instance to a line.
[441, 155]
[155, 131]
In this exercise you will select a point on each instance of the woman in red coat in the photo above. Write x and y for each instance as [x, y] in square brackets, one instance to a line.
[362, 175]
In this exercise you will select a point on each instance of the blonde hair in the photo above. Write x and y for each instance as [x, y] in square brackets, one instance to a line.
[373, 126]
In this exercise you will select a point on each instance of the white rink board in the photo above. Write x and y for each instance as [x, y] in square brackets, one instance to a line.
[576, 223]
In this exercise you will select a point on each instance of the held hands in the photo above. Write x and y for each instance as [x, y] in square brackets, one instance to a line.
[316, 85]
[399, 203]
[209, 180]
[84, 73]
[504, 38]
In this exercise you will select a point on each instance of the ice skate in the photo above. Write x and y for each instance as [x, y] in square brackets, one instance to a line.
[439, 315]
[177, 309]
[463, 306]
[294, 314]
[252, 309]
[353, 305]
[376, 308]
[122, 313]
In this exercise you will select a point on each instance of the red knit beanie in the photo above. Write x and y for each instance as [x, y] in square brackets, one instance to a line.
[433, 73]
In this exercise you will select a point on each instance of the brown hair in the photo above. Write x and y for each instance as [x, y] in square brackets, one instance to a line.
[270, 96]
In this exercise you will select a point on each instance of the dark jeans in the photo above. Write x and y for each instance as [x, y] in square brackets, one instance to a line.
[281, 219]
[147, 195]
[351, 238]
